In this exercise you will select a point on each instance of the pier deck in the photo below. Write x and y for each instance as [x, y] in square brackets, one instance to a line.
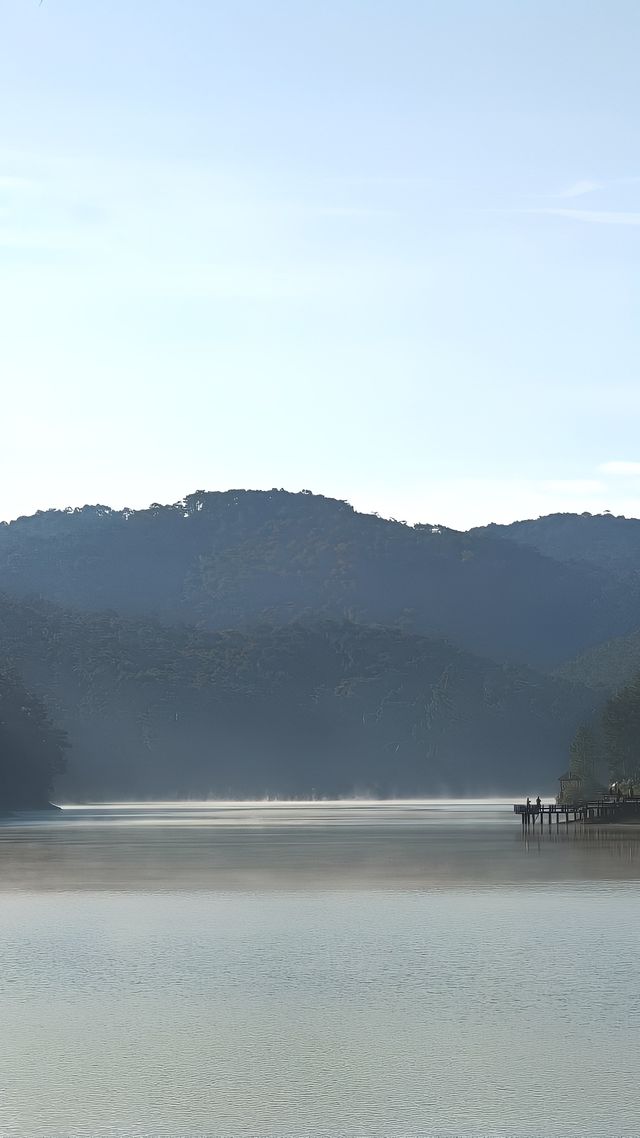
[606, 809]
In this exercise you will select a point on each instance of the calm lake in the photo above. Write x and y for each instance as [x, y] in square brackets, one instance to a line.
[322, 970]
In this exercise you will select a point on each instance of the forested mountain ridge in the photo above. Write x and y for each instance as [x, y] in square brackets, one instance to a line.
[249, 643]
[602, 540]
[232, 559]
[331, 708]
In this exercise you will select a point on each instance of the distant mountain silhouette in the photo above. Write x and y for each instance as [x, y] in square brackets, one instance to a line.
[230, 559]
[603, 540]
[254, 642]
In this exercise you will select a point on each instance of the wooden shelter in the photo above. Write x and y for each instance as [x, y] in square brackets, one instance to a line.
[571, 787]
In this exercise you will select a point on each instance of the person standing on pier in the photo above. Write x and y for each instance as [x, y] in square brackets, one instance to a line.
[538, 804]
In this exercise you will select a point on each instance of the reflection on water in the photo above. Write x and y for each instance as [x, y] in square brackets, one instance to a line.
[371, 970]
[315, 845]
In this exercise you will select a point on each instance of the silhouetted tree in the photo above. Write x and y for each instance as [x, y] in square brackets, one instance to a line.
[31, 748]
[621, 731]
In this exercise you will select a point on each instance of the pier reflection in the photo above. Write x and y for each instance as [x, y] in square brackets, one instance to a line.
[323, 847]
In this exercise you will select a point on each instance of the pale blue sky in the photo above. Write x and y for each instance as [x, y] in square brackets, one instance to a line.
[386, 251]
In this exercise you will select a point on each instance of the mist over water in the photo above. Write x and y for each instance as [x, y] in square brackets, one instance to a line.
[360, 968]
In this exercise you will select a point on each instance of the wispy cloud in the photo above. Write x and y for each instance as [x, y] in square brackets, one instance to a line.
[41, 240]
[621, 468]
[586, 186]
[346, 211]
[590, 185]
[9, 182]
[595, 216]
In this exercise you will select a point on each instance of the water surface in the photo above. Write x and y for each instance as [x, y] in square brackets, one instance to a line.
[358, 969]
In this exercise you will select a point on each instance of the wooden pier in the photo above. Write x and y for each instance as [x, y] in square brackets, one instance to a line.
[607, 809]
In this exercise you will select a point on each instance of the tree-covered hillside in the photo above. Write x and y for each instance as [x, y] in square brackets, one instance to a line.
[602, 540]
[330, 708]
[250, 642]
[606, 667]
[620, 733]
[607, 747]
[32, 750]
[232, 559]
